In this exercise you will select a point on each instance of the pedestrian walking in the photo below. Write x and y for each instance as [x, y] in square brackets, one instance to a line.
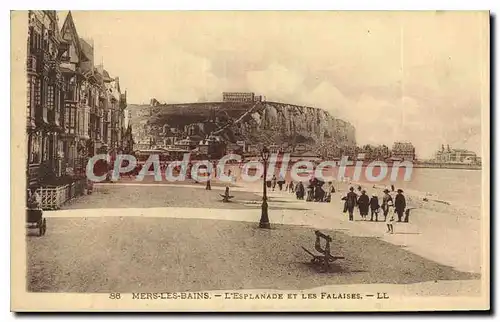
[299, 191]
[400, 204]
[208, 186]
[319, 193]
[385, 203]
[328, 192]
[363, 204]
[281, 182]
[310, 192]
[374, 207]
[273, 182]
[390, 218]
[407, 215]
[351, 201]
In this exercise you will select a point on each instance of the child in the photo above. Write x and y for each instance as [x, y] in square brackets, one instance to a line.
[390, 218]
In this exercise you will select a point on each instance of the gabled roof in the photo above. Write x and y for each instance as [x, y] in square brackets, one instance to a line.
[69, 33]
[87, 48]
[52, 14]
[88, 51]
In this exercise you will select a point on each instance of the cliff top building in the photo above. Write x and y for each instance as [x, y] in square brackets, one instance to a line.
[240, 97]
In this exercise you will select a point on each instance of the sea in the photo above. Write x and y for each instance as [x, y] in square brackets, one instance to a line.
[456, 186]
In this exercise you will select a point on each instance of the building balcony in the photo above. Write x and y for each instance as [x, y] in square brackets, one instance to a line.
[31, 66]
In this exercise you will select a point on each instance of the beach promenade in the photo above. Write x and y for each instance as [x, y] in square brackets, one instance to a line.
[165, 237]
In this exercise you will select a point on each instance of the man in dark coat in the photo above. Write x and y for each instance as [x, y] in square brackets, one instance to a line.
[299, 190]
[363, 204]
[374, 206]
[400, 204]
[351, 201]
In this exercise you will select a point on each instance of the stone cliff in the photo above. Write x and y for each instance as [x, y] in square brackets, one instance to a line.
[257, 123]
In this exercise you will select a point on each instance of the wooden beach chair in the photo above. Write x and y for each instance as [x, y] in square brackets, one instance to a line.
[324, 258]
[226, 197]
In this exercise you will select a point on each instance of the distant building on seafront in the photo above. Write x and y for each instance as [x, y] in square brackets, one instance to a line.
[449, 155]
[403, 151]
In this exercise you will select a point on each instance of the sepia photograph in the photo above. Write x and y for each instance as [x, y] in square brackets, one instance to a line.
[250, 161]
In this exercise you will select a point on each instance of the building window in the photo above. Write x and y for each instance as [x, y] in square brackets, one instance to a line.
[45, 89]
[28, 90]
[38, 92]
[67, 116]
[73, 118]
[50, 97]
[57, 101]
[81, 121]
[45, 148]
[34, 153]
[87, 121]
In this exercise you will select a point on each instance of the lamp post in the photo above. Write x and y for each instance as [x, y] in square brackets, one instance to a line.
[264, 219]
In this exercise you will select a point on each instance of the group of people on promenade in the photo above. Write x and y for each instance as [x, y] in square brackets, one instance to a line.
[275, 181]
[317, 190]
[389, 207]
[392, 209]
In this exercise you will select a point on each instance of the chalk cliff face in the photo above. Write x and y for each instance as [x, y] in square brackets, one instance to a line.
[288, 123]
[257, 123]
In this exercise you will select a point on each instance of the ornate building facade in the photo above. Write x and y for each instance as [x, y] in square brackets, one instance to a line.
[404, 151]
[45, 97]
[74, 108]
[449, 155]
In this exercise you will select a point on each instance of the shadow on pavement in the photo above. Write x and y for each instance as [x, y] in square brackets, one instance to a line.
[133, 254]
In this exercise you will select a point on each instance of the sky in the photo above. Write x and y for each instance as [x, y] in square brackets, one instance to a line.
[396, 76]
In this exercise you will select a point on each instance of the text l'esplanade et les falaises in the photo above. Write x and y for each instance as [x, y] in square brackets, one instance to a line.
[245, 296]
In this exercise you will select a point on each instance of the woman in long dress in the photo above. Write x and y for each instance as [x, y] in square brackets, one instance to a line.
[390, 218]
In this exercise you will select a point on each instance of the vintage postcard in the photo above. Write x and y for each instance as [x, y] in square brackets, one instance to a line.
[250, 160]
